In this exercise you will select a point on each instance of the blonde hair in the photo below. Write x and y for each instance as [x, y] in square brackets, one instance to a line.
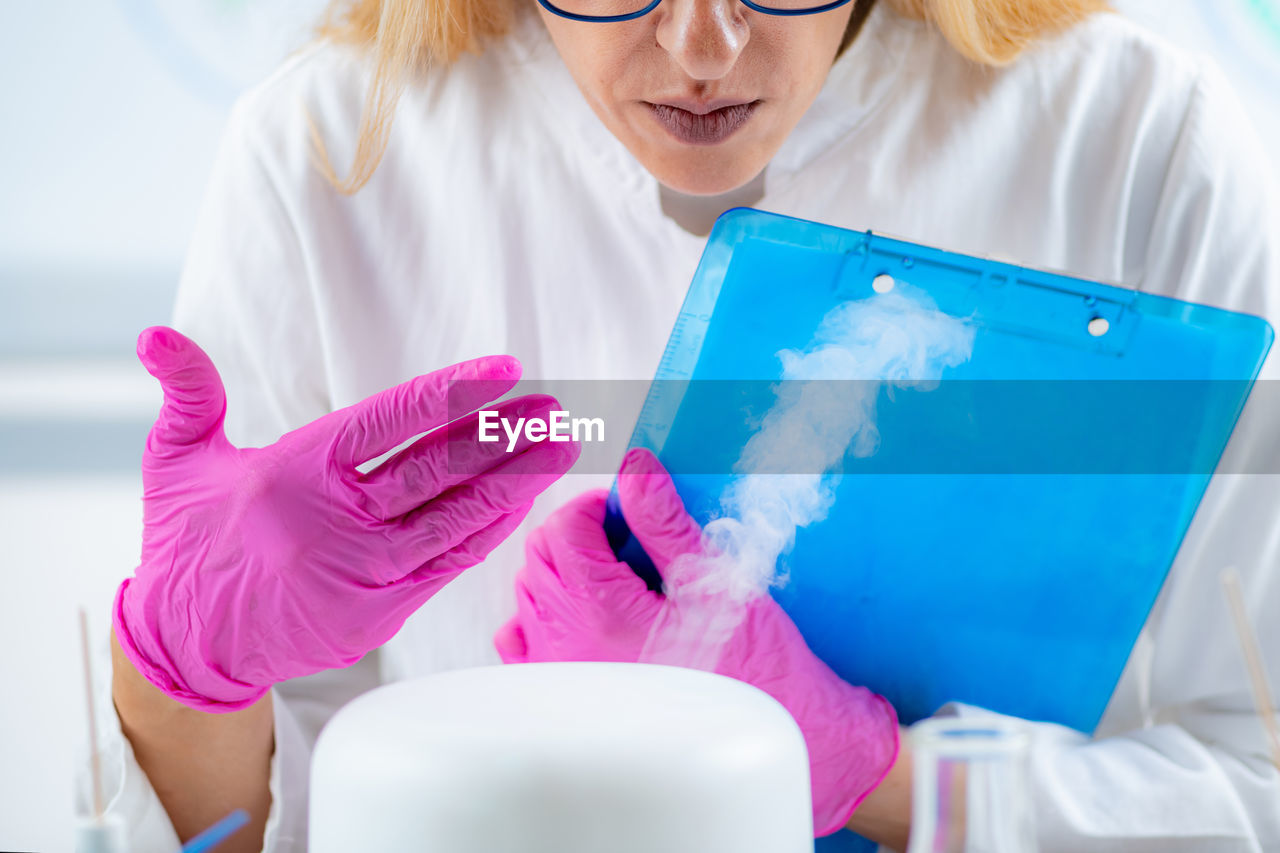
[406, 36]
[995, 32]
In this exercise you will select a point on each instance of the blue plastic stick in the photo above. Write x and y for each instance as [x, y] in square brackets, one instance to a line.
[216, 834]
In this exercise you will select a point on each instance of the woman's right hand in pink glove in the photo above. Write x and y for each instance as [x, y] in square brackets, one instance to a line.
[264, 564]
[577, 602]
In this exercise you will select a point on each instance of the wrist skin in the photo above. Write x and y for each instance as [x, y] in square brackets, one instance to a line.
[201, 765]
[884, 816]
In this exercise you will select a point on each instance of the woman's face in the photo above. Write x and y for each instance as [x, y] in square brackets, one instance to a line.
[702, 92]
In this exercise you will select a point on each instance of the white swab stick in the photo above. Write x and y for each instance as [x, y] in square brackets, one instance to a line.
[1253, 660]
[94, 764]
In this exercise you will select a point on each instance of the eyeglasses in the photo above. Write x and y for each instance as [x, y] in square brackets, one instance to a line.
[608, 11]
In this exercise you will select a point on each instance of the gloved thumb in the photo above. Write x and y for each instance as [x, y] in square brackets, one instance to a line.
[510, 642]
[194, 400]
[653, 509]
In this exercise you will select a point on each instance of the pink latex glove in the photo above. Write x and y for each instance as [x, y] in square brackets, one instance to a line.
[577, 602]
[263, 564]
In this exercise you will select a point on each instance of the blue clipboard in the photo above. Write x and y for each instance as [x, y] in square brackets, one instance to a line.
[1005, 544]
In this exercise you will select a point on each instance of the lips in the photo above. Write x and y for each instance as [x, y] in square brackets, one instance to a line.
[703, 123]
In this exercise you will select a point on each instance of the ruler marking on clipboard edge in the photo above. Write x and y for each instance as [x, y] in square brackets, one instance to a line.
[683, 347]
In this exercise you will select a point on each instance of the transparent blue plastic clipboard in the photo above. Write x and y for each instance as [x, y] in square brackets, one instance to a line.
[1019, 592]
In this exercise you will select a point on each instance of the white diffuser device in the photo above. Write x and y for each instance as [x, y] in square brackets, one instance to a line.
[562, 758]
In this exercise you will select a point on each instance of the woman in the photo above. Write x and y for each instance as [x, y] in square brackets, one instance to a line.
[544, 197]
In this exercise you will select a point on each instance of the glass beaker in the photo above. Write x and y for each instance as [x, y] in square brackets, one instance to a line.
[970, 791]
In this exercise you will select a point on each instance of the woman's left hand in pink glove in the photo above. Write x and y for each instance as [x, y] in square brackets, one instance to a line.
[577, 602]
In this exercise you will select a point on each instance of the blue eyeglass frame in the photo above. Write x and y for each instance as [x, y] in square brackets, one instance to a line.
[609, 19]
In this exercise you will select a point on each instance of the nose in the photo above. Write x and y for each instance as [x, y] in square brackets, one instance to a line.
[705, 37]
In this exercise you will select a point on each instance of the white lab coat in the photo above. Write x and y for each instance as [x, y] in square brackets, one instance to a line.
[505, 218]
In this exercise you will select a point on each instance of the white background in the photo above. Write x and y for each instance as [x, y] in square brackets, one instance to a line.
[111, 113]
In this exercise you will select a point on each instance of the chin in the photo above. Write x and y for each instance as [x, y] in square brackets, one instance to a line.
[705, 175]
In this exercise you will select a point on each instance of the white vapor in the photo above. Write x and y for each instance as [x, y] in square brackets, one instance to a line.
[898, 338]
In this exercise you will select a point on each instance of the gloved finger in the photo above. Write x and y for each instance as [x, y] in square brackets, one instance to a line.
[510, 642]
[572, 578]
[399, 598]
[573, 546]
[445, 458]
[438, 571]
[549, 619]
[561, 620]
[442, 524]
[379, 423]
[654, 511]
[194, 399]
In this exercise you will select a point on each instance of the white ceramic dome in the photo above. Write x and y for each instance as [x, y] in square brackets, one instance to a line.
[562, 758]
